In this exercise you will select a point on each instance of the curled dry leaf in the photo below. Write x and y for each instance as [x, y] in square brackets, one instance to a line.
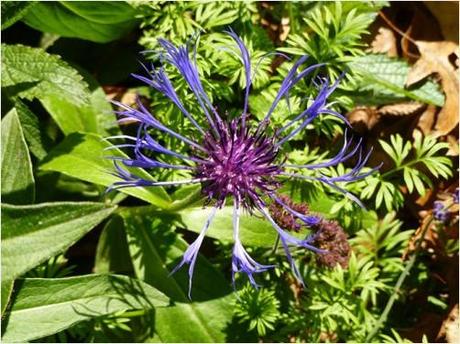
[401, 109]
[384, 43]
[427, 120]
[363, 118]
[435, 59]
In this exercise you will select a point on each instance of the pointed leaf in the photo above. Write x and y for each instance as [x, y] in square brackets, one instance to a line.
[155, 251]
[32, 234]
[96, 22]
[45, 306]
[18, 184]
[33, 73]
[82, 156]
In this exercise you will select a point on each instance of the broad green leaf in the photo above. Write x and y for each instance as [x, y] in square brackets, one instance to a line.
[82, 156]
[155, 251]
[33, 131]
[32, 73]
[12, 11]
[197, 322]
[384, 75]
[95, 117]
[7, 288]
[254, 231]
[93, 21]
[112, 254]
[18, 185]
[43, 307]
[34, 233]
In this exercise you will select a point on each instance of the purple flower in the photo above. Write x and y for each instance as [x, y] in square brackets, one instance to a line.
[440, 212]
[234, 159]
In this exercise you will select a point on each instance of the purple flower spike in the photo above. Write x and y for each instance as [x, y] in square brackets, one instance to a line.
[191, 253]
[241, 261]
[234, 158]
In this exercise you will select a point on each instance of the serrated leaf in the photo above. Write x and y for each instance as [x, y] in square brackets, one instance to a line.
[43, 306]
[95, 117]
[34, 233]
[93, 21]
[32, 73]
[82, 156]
[386, 75]
[18, 184]
[12, 11]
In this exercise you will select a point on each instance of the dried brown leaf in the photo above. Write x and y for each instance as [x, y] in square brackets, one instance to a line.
[435, 59]
[363, 118]
[385, 42]
[427, 120]
[400, 109]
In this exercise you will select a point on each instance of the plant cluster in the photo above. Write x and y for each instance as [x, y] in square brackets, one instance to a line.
[84, 262]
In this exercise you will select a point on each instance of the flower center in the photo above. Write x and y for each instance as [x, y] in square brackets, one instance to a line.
[238, 164]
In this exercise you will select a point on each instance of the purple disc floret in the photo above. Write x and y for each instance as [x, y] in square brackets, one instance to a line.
[236, 159]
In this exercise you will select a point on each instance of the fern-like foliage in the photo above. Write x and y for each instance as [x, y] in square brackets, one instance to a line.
[383, 243]
[334, 31]
[336, 297]
[414, 163]
[258, 308]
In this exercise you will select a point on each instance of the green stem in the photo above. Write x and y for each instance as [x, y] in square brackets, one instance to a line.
[402, 277]
[386, 174]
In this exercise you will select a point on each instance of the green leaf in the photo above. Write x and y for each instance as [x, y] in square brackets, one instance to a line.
[382, 74]
[45, 306]
[254, 231]
[18, 185]
[33, 131]
[95, 117]
[197, 322]
[155, 251]
[7, 288]
[34, 233]
[12, 11]
[112, 253]
[32, 73]
[82, 156]
[93, 21]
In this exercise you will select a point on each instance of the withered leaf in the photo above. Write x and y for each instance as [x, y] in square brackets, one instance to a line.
[401, 109]
[385, 42]
[435, 59]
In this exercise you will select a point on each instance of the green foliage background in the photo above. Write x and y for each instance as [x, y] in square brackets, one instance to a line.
[54, 175]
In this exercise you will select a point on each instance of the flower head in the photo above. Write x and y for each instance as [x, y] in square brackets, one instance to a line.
[234, 158]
